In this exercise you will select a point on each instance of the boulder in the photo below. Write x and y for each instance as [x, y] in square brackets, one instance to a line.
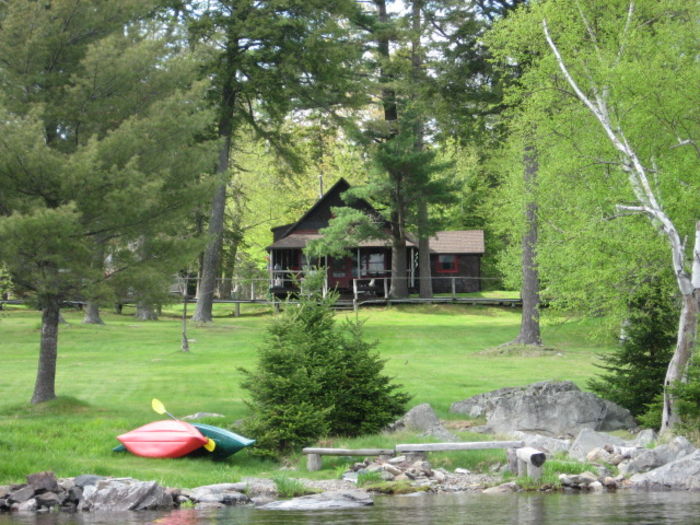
[549, 407]
[587, 440]
[681, 474]
[644, 437]
[503, 488]
[340, 499]
[422, 419]
[125, 494]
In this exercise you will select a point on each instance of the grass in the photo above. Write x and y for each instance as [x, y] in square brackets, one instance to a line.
[107, 375]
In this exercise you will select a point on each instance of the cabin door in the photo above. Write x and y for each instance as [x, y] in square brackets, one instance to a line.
[340, 273]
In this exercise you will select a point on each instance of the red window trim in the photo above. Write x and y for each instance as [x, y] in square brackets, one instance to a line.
[439, 269]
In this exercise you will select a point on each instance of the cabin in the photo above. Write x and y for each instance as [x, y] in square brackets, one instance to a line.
[455, 256]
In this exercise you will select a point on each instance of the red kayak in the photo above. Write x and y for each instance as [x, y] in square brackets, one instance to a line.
[163, 439]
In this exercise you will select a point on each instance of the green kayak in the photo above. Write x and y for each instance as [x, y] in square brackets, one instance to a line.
[227, 442]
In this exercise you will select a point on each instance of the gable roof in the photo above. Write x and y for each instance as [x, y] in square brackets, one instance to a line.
[457, 241]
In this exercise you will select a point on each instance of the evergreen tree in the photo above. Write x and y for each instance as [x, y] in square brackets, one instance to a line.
[100, 121]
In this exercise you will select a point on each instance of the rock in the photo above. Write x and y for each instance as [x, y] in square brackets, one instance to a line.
[87, 479]
[587, 440]
[397, 460]
[546, 444]
[644, 437]
[43, 481]
[22, 495]
[504, 488]
[386, 476]
[599, 455]
[596, 486]
[345, 499]
[648, 459]
[49, 499]
[462, 471]
[683, 474]
[4, 491]
[556, 408]
[116, 495]
[224, 493]
[422, 419]
[29, 505]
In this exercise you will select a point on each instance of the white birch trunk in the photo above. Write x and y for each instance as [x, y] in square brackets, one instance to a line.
[689, 285]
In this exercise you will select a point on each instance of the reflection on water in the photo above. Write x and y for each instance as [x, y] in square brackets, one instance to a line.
[638, 508]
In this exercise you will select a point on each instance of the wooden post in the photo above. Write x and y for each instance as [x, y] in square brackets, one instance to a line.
[252, 290]
[354, 289]
[313, 462]
[454, 288]
[530, 461]
[237, 310]
[386, 288]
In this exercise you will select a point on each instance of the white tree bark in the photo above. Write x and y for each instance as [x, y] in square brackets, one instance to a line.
[688, 284]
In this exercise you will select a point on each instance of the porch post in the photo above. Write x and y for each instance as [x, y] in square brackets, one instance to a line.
[359, 264]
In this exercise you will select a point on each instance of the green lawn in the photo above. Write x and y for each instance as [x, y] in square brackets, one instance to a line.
[108, 374]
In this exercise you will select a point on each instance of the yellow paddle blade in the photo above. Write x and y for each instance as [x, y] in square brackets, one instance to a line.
[211, 445]
[157, 406]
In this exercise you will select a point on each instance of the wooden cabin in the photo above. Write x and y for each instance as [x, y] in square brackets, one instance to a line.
[455, 256]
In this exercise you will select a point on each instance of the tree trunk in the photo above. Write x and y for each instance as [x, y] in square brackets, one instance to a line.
[687, 333]
[212, 253]
[530, 291]
[45, 385]
[92, 313]
[145, 312]
[424, 269]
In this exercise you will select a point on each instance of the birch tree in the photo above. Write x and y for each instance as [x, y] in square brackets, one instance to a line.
[624, 75]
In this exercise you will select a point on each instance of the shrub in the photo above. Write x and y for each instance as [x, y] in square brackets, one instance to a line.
[314, 378]
[635, 372]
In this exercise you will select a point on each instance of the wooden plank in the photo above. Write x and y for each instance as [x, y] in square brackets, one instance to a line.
[349, 451]
[467, 445]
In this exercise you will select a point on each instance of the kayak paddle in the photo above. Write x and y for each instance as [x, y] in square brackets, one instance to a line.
[159, 408]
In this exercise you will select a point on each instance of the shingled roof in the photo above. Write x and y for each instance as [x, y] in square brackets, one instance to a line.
[458, 241]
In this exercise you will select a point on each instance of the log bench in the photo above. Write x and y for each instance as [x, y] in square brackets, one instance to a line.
[526, 461]
[313, 460]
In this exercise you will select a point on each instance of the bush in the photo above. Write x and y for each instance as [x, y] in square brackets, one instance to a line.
[316, 378]
[635, 372]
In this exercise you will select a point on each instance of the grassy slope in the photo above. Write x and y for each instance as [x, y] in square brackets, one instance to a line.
[109, 374]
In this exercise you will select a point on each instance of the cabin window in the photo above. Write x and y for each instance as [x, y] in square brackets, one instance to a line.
[447, 264]
[372, 264]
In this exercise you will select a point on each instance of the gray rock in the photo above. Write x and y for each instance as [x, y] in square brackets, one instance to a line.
[422, 419]
[345, 499]
[49, 499]
[546, 444]
[644, 437]
[87, 479]
[4, 490]
[225, 493]
[555, 408]
[29, 505]
[504, 488]
[125, 494]
[22, 495]
[43, 481]
[588, 439]
[649, 459]
[681, 474]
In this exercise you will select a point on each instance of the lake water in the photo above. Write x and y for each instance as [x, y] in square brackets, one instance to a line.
[639, 508]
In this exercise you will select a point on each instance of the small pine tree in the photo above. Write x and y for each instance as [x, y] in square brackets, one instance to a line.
[634, 373]
[314, 378]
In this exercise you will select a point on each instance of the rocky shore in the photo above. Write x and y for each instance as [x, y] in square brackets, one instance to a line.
[574, 423]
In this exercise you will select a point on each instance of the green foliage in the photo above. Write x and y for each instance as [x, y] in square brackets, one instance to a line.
[634, 373]
[316, 378]
[368, 478]
[290, 488]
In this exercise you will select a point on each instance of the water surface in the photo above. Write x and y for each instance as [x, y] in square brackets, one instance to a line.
[639, 508]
